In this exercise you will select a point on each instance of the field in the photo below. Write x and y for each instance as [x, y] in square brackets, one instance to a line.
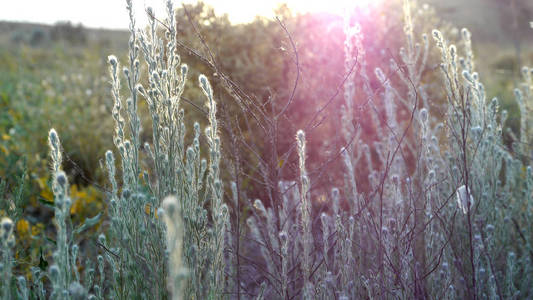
[381, 155]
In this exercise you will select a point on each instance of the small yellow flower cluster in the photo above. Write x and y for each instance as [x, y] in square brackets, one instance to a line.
[85, 200]
[23, 228]
[5, 137]
[26, 231]
[148, 210]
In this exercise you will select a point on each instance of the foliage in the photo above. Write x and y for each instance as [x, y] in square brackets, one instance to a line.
[75, 35]
[423, 197]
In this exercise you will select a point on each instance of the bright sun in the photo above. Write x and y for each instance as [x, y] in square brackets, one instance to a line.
[245, 10]
[332, 6]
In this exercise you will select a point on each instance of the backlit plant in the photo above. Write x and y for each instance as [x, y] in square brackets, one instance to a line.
[442, 208]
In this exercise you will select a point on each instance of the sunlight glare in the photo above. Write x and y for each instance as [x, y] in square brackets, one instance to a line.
[339, 7]
[110, 14]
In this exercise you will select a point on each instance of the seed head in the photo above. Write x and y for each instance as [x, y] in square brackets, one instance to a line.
[490, 228]
[6, 232]
[76, 291]
[283, 237]
[54, 272]
[101, 239]
[61, 178]
[6, 226]
[53, 138]
[424, 115]
[112, 60]
[170, 206]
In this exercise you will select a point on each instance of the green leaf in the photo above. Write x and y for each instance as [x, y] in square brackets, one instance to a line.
[89, 222]
[51, 241]
[46, 203]
[43, 264]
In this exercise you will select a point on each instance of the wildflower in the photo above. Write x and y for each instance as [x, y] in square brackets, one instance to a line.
[148, 210]
[37, 229]
[23, 227]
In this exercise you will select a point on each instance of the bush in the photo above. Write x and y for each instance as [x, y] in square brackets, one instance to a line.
[66, 31]
[433, 204]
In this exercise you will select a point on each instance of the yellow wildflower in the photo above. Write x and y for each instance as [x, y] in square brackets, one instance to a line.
[37, 229]
[23, 227]
[148, 208]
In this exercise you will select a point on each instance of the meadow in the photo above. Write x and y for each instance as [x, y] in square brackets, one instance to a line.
[381, 155]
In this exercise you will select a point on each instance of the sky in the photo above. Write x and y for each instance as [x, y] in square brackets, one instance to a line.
[112, 13]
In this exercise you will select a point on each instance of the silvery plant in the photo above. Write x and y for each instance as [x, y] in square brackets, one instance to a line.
[145, 254]
[154, 249]
[444, 213]
[448, 200]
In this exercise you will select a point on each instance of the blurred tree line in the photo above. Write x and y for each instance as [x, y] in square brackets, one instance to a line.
[40, 35]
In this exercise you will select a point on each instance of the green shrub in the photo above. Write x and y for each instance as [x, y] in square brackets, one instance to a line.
[442, 208]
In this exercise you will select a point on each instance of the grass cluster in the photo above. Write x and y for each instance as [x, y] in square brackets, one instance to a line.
[435, 205]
